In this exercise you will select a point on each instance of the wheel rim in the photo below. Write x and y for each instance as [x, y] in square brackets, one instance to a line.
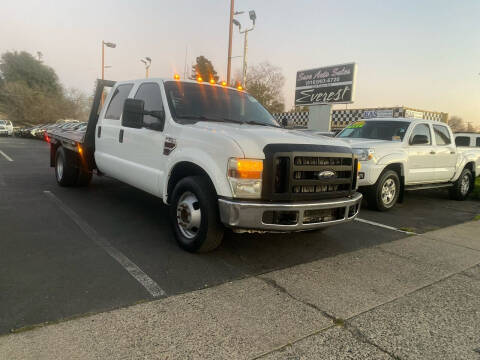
[59, 168]
[189, 215]
[389, 190]
[465, 184]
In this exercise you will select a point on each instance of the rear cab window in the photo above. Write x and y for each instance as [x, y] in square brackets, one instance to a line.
[115, 107]
[442, 135]
[477, 141]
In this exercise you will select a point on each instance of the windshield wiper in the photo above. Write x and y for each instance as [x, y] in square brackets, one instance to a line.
[204, 118]
[258, 123]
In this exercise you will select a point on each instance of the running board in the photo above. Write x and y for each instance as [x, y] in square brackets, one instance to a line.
[427, 186]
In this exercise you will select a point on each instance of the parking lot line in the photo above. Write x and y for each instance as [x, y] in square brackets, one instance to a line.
[5, 156]
[384, 226]
[150, 285]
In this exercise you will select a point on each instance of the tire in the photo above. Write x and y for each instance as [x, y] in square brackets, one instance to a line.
[463, 186]
[65, 171]
[384, 194]
[194, 215]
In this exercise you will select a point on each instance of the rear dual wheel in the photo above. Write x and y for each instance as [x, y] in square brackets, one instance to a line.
[68, 171]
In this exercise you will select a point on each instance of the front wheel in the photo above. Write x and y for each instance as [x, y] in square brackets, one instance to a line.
[194, 215]
[384, 194]
[462, 187]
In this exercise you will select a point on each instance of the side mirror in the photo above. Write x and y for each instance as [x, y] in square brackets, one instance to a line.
[133, 113]
[419, 140]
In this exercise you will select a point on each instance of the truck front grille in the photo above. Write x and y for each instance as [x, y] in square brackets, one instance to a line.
[309, 175]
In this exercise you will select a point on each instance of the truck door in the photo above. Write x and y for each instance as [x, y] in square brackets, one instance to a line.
[142, 149]
[446, 154]
[108, 132]
[421, 155]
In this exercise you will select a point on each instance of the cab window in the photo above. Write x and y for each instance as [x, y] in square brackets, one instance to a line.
[115, 108]
[442, 135]
[151, 95]
[423, 130]
[477, 142]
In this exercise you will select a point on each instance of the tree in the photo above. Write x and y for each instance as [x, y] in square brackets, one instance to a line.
[30, 92]
[457, 124]
[23, 67]
[204, 68]
[265, 82]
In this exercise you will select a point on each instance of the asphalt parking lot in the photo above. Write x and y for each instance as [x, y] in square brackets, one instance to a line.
[52, 270]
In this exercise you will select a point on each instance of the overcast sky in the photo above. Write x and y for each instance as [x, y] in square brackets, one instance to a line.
[418, 53]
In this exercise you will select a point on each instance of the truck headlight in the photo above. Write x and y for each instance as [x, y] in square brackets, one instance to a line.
[245, 177]
[364, 154]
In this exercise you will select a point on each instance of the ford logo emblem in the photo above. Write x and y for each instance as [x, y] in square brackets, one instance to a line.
[326, 175]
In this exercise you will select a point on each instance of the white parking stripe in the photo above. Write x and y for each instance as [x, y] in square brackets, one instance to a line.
[147, 282]
[5, 156]
[384, 226]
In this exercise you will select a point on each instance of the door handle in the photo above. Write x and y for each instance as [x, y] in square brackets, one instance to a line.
[99, 131]
[452, 152]
[120, 136]
[432, 152]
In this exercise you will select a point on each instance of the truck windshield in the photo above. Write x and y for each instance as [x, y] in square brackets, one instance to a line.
[379, 130]
[190, 102]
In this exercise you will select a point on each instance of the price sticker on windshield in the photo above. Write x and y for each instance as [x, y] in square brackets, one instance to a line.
[356, 125]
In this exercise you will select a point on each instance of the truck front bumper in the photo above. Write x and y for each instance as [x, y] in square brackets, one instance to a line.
[286, 217]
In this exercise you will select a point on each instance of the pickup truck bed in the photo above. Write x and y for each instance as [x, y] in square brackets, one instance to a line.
[81, 141]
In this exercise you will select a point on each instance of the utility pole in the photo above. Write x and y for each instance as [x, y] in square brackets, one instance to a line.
[148, 62]
[253, 17]
[230, 31]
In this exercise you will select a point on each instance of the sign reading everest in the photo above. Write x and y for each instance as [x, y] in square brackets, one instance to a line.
[327, 85]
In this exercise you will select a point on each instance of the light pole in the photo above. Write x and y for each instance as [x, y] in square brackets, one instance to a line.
[110, 45]
[148, 62]
[230, 30]
[253, 17]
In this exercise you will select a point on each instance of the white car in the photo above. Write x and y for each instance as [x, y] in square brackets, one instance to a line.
[215, 156]
[467, 139]
[400, 154]
[6, 128]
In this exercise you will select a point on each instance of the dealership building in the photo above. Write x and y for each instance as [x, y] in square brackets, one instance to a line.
[342, 118]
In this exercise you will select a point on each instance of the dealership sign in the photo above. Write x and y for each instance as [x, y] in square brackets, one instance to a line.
[377, 113]
[327, 85]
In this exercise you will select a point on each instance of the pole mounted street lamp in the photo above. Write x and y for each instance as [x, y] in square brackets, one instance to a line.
[148, 62]
[110, 45]
[253, 17]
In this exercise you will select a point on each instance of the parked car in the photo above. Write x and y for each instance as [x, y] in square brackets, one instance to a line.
[215, 156]
[465, 139]
[409, 154]
[6, 128]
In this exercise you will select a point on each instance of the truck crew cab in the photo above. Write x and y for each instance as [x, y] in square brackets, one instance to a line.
[409, 154]
[214, 155]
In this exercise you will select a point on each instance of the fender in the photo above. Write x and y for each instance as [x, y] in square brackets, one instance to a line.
[216, 168]
[397, 157]
[464, 159]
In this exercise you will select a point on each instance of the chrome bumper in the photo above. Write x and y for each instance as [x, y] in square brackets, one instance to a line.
[250, 215]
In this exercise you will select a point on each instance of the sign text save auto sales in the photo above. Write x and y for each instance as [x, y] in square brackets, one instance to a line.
[327, 85]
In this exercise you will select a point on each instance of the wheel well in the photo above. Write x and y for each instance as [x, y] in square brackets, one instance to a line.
[471, 167]
[182, 170]
[398, 168]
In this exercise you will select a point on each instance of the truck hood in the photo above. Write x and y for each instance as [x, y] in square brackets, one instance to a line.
[370, 143]
[253, 138]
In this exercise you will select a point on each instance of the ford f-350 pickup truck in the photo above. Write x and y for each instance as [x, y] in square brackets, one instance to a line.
[214, 155]
[400, 154]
